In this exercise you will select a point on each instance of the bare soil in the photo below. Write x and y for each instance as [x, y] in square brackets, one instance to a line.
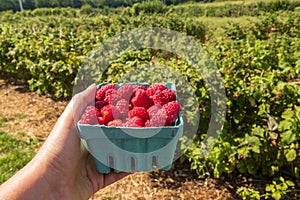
[34, 115]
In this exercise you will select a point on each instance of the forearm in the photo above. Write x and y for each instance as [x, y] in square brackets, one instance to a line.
[21, 185]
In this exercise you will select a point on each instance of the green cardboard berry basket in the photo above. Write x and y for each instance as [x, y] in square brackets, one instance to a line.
[131, 149]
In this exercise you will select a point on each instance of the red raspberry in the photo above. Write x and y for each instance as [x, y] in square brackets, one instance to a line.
[172, 108]
[92, 109]
[125, 92]
[156, 121]
[159, 98]
[134, 122]
[139, 87]
[123, 108]
[140, 112]
[170, 111]
[108, 113]
[101, 121]
[171, 119]
[116, 122]
[100, 104]
[131, 106]
[153, 110]
[90, 116]
[155, 87]
[111, 96]
[100, 94]
[141, 99]
[170, 95]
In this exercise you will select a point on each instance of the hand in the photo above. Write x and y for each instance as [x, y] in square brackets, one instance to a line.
[61, 169]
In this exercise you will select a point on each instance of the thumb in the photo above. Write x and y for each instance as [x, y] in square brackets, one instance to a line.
[81, 100]
[76, 107]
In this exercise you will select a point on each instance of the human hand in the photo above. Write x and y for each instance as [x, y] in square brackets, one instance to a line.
[62, 169]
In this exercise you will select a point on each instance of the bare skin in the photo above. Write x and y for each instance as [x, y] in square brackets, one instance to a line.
[61, 169]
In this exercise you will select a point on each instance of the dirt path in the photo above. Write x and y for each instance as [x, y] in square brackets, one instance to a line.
[25, 111]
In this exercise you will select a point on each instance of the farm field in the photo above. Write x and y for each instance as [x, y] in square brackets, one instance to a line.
[255, 46]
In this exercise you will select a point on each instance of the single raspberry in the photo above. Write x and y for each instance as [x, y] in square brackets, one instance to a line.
[172, 108]
[156, 121]
[153, 110]
[125, 92]
[123, 108]
[170, 95]
[100, 94]
[141, 99]
[108, 113]
[134, 122]
[171, 119]
[138, 87]
[116, 122]
[159, 98]
[167, 120]
[140, 112]
[155, 87]
[111, 96]
[90, 116]
[100, 104]
[92, 109]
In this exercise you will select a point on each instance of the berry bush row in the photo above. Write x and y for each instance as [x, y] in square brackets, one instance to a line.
[48, 51]
[260, 65]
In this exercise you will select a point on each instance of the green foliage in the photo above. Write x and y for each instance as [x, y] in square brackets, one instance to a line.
[232, 9]
[15, 153]
[248, 193]
[33, 4]
[279, 188]
[276, 190]
[48, 52]
[260, 68]
[259, 65]
[149, 7]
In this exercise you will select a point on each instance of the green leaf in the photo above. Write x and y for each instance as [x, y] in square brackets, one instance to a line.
[276, 195]
[290, 183]
[274, 169]
[258, 131]
[288, 114]
[257, 95]
[219, 169]
[288, 137]
[290, 154]
[255, 143]
[270, 188]
[284, 125]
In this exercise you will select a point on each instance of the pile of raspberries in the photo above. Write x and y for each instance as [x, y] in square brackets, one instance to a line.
[133, 106]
